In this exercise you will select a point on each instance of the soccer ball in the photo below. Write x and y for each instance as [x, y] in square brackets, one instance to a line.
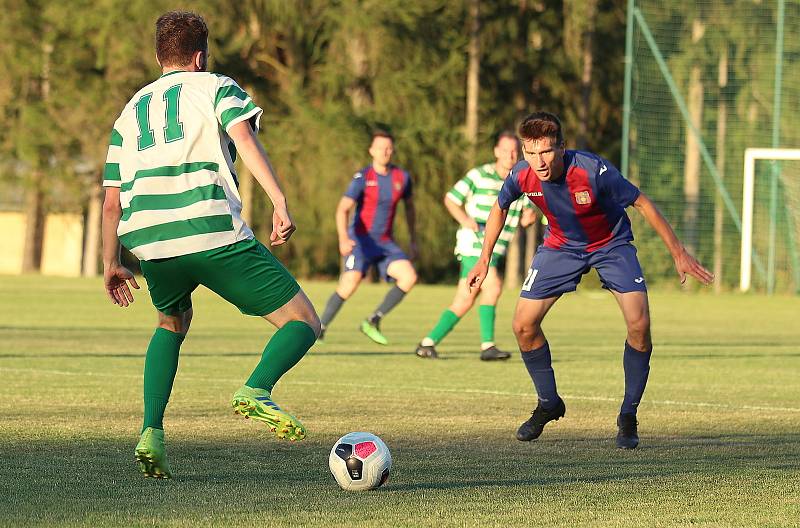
[360, 461]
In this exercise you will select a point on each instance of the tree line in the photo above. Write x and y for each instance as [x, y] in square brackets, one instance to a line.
[444, 76]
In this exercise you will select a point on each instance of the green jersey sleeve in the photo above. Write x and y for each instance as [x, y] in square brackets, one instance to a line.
[463, 188]
[111, 175]
[232, 105]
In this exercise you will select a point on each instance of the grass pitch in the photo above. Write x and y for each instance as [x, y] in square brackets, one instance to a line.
[720, 422]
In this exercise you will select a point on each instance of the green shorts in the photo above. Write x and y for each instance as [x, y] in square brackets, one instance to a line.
[467, 263]
[245, 274]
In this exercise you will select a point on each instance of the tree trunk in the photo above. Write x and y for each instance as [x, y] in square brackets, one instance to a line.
[587, 59]
[719, 210]
[34, 225]
[691, 169]
[34, 200]
[360, 91]
[91, 245]
[473, 79]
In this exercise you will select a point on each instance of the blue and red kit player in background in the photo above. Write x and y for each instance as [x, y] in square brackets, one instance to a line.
[584, 198]
[374, 193]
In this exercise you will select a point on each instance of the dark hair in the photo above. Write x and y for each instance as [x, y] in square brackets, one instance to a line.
[505, 134]
[178, 35]
[380, 132]
[541, 125]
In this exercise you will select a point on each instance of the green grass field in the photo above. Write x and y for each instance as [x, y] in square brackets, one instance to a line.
[720, 424]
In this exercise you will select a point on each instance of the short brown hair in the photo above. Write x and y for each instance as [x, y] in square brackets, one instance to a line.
[178, 35]
[505, 134]
[381, 132]
[541, 125]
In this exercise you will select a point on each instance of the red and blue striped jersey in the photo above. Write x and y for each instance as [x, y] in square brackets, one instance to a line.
[585, 209]
[377, 196]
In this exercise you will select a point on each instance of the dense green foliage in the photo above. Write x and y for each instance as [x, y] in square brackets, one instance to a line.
[719, 420]
[325, 73]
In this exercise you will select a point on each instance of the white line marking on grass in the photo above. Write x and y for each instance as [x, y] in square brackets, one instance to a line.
[484, 392]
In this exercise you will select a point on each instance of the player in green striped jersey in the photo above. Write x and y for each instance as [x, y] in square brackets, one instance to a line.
[469, 202]
[172, 200]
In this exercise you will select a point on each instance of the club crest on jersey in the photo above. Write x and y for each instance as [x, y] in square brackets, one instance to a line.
[398, 186]
[583, 198]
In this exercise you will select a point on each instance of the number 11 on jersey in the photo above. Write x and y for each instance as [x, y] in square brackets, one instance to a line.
[173, 130]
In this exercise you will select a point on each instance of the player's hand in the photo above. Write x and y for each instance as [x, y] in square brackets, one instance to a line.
[472, 225]
[346, 246]
[476, 275]
[282, 227]
[116, 281]
[685, 264]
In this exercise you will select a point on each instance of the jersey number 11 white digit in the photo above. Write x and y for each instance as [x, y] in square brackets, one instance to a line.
[528, 284]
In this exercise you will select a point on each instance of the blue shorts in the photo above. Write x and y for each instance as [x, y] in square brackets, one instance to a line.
[554, 271]
[367, 252]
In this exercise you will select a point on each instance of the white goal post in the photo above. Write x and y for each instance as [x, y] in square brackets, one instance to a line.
[750, 157]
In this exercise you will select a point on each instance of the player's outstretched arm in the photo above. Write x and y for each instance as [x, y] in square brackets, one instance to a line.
[346, 243]
[685, 263]
[115, 276]
[495, 223]
[255, 158]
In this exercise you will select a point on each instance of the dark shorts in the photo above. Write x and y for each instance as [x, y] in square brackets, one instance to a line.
[367, 252]
[245, 274]
[554, 272]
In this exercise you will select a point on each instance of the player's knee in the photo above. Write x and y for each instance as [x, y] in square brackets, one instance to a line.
[312, 320]
[462, 305]
[177, 324]
[639, 333]
[407, 280]
[347, 288]
[525, 330]
[490, 295]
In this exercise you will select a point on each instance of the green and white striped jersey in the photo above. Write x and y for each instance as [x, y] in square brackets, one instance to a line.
[477, 192]
[172, 159]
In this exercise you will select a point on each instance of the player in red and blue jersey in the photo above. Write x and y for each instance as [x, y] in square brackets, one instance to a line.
[374, 193]
[584, 198]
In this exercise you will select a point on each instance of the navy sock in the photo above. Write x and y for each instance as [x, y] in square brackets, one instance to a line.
[391, 300]
[537, 361]
[637, 368]
[331, 309]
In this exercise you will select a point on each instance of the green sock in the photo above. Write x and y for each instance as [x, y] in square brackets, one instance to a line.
[284, 350]
[486, 314]
[160, 366]
[447, 322]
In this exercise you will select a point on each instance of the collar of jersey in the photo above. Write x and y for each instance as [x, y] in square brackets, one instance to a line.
[173, 71]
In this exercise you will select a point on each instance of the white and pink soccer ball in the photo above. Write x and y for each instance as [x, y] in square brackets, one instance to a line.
[360, 461]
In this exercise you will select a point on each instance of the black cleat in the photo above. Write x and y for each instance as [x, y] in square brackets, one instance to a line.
[627, 437]
[493, 353]
[426, 352]
[532, 429]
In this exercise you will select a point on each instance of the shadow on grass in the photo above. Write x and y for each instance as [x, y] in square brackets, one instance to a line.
[67, 479]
